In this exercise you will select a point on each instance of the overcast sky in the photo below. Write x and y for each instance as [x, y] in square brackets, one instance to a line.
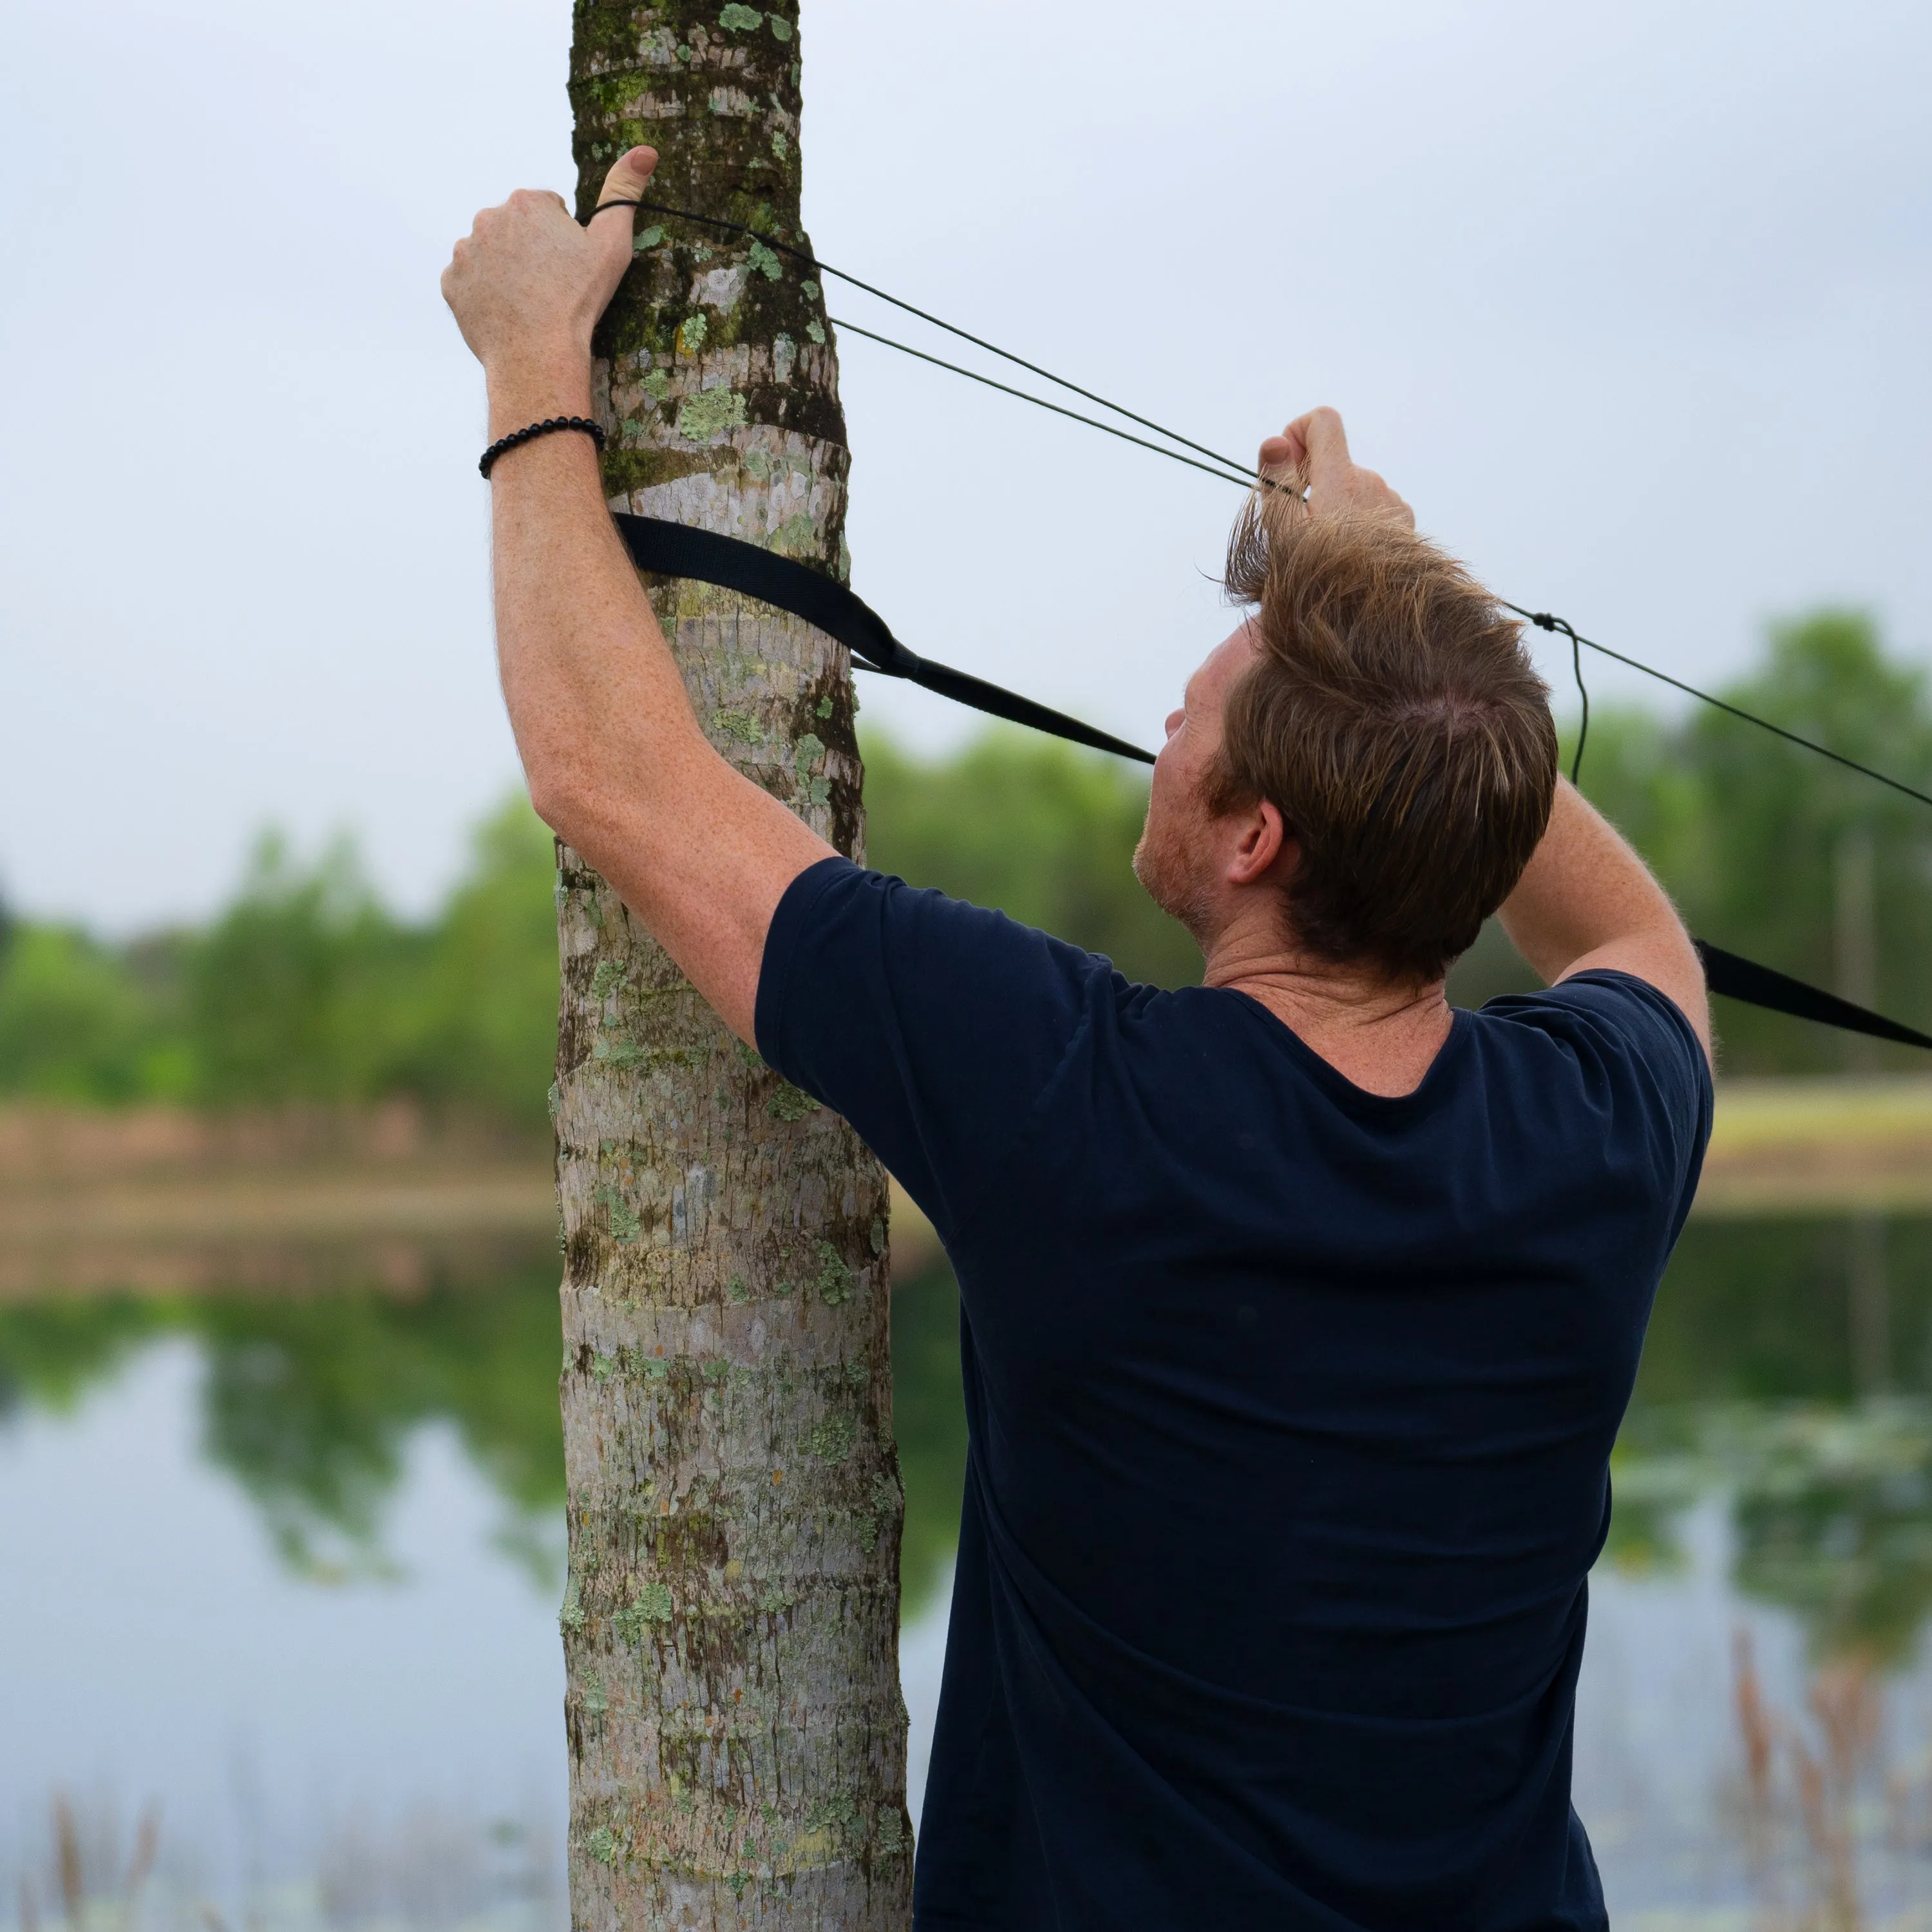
[1631, 301]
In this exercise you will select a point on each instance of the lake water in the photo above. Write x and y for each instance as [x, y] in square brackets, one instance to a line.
[280, 1577]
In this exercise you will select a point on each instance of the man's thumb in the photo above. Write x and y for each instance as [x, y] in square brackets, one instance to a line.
[628, 177]
[1326, 440]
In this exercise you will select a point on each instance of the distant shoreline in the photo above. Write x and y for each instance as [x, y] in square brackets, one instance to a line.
[157, 1200]
[1836, 1144]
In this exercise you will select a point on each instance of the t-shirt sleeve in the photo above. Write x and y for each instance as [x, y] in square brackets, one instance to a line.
[1636, 1051]
[933, 1027]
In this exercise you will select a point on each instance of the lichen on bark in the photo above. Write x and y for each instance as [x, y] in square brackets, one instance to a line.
[729, 1623]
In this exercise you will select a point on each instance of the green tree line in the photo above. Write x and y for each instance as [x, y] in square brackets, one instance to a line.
[1775, 852]
[306, 988]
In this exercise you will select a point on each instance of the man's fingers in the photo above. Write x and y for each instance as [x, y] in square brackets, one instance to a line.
[1279, 458]
[1321, 434]
[1313, 450]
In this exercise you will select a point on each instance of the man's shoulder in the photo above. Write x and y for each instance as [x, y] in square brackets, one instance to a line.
[836, 902]
[935, 1027]
[1618, 1044]
[1604, 1004]
[848, 946]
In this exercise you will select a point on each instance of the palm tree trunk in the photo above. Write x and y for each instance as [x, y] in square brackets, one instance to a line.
[737, 1741]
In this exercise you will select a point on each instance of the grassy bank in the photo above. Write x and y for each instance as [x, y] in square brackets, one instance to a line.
[158, 1198]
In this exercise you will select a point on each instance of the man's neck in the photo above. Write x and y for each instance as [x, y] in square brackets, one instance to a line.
[1382, 1035]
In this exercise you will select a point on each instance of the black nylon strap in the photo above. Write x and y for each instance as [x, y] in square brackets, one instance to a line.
[1740, 979]
[676, 550]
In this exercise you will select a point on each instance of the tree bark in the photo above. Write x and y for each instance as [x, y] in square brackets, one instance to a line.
[730, 1623]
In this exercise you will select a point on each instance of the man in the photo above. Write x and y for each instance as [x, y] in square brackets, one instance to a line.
[1299, 1310]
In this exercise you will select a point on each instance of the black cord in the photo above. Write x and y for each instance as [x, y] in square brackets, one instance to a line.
[1544, 620]
[1074, 416]
[1583, 692]
[812, 262]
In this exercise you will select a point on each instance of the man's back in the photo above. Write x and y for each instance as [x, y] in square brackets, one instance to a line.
[1291, 1408]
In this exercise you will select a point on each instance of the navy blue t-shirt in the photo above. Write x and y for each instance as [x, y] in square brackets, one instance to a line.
[1290, 1409]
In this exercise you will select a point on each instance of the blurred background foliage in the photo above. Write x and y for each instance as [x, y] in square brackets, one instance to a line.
[307, 989]
[1045, 833]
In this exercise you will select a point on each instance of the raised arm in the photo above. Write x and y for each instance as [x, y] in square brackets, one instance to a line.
[1587, 900]
[616, 763]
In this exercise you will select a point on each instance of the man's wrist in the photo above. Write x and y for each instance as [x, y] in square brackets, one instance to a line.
[552, 381]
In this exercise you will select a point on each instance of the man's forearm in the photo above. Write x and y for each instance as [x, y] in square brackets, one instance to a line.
[1583, 888]
[617, 763]
[1586, 899]
[594, 698]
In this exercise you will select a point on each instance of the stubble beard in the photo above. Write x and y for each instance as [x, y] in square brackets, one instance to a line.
[1161, 864]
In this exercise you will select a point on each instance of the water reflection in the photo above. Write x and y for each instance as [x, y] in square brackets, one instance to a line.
[160, 1647]
[1783, 1310]
[1786, 1371]
[309, 1402]
[1775, 1468]
[1829, 1510]
[1787, 1368]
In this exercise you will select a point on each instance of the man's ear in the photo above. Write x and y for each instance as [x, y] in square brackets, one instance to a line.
[1261, 844]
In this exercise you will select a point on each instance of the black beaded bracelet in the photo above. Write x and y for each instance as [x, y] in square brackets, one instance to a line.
[593, 430]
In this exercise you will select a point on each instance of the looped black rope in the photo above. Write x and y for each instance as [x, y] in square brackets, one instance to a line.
[1228, 469]
[1545, 620]
[1720, 704]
